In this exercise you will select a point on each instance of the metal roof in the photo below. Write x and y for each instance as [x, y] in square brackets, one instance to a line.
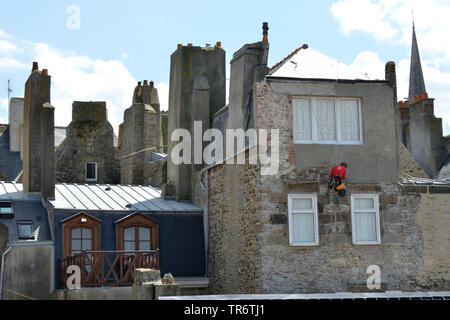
[311, 64]
[103, 197]
[426, 182]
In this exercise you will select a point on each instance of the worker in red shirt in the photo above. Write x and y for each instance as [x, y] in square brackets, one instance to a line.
[337, 176]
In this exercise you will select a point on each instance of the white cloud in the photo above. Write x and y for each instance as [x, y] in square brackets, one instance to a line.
[391, 21]
[3, 34]
[80, 78]
[163, 95]
[7, 47]
[8, 64]
[365, 16]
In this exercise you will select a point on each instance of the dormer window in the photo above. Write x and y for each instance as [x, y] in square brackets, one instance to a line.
[6, 208]
[25, 229]
[91, 171]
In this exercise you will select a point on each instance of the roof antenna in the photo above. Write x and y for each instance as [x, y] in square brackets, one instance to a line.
[9, 94]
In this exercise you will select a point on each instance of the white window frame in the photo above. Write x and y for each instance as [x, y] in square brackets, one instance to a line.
[313, 198]
[338, 140]
[375, 198]
[86, 170]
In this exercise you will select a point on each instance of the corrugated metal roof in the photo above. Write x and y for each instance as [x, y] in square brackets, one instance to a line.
[102, 197]
[311, 64]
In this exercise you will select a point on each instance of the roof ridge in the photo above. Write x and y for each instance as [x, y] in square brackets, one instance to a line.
[303, 46]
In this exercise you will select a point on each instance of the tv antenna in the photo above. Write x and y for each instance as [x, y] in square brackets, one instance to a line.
[9, 92]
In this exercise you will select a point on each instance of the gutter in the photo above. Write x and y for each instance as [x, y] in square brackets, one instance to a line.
[8, 249]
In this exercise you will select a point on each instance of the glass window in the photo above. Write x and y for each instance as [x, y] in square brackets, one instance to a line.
[136, 238]
[91, 171]
[326, 121]
[303, 228]
[25, 230]
[365, 219]
[81, 240]
[6, 207]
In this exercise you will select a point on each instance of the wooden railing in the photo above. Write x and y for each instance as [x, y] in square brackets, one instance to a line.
[107, 268]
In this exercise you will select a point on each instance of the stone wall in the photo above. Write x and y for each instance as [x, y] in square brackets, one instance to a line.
[249, 232]
[89, 139]
[408, 166]
[235, 226]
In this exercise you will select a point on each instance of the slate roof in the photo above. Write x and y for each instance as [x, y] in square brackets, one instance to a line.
[307, 63]
[26, 208]
[10, 162]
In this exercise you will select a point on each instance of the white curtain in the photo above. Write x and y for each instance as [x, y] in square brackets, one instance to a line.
[325, 117]
[303, 227]
[349, 120]
[302, 119]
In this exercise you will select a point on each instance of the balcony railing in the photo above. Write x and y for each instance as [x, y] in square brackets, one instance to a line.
[107, 268]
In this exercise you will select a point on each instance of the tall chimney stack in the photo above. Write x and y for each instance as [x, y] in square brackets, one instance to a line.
[38, 135]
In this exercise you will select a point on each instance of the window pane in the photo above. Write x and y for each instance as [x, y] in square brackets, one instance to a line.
[301, 204]
[87, 234]
[144, 245]
[76, 233]
[302, 119]
[365, 226]
[6, 210]
[76, 245]
[129, 234]
[349, 120]
[303, 227]
[86, 245]
[325, 119]
[364, 203]
[90, 170]
[129, 246]
[144, 234]
[25, 231]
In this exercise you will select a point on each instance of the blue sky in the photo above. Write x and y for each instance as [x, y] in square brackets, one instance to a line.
[118, 43]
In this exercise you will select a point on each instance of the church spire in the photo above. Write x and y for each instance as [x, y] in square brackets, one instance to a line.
[416, 82]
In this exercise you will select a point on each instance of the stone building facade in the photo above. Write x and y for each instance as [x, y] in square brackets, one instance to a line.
[249, 221]
[87, 154]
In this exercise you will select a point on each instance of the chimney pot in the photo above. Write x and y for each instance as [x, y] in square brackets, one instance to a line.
[189, 44]
[152, 84]
[179, 45]
[139, 83]
[145, 83]
[218, 44]
[35, 66]
[265, 33]
[45, 72]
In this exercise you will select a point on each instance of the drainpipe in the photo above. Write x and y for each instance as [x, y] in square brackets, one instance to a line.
[206, 220]
[2, 270]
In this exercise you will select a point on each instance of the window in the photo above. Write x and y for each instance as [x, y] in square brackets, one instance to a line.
[137, 238]
[6, 208]
[91, 171]
[81, 232]
[303, 227]
[327, 120]
[137, 232]
[365, 219]
[25, 229]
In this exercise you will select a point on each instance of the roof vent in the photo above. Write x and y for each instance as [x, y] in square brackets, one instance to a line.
[107, 189]
[128, 205]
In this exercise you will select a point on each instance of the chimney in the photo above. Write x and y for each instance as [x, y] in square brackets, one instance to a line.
[391, 77]
[265, 39]
[38, 136]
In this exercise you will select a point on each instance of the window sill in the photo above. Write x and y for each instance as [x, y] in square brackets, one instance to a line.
[330, 143]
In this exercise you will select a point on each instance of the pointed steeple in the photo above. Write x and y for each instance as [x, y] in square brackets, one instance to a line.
[416, 82]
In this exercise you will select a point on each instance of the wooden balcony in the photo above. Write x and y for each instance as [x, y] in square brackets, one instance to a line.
[107, 268]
